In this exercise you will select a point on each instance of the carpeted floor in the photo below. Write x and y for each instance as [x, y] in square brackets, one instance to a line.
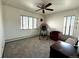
[28, 48]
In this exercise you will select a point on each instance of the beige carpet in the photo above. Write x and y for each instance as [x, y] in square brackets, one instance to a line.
[28, 48]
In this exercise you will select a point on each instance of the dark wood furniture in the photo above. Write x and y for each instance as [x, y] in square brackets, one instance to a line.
[62, 50]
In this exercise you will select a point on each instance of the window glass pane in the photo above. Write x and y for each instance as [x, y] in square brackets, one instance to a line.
[25, 22]
[72, 25]
[21, 22]
[64, 25]
[68, 25]
[30, 23]
[35, 22]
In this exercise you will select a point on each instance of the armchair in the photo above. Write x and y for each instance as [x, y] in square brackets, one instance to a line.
[55, 35]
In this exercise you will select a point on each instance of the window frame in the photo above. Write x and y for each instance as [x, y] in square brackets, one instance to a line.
[64, 31]
[36, 23]
[28, 22]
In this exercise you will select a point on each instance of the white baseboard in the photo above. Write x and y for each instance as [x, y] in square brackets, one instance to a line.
[19, 38]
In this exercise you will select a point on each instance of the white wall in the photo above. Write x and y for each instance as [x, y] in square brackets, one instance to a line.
[12, 23]
[56, 20]
[1, 32]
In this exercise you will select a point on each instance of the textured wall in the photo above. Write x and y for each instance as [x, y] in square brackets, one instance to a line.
[1, 31]
[56, 20]
[12, 23]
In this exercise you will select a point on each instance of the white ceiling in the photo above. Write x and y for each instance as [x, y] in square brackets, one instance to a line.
[31, 5]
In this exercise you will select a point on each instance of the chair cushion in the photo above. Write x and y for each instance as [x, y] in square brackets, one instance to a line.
[71, 41]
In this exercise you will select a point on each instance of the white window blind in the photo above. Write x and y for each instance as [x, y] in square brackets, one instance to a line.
[28, 22]
[69, 25]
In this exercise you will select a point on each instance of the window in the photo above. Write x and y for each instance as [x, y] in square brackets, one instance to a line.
[35, 23]
[69, 25]
[28, 22]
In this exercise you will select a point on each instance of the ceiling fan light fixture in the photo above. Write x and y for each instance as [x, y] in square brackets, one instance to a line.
[43, 11]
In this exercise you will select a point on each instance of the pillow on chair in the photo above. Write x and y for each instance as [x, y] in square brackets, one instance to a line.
[71, 41]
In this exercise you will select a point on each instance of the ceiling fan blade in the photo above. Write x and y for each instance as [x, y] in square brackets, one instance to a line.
[38, 10]
[48, 5]
[43, 11]
[39, 6]
[50, 9]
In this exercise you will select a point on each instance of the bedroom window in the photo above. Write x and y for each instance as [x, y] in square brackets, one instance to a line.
[28, 22]
[69, 25]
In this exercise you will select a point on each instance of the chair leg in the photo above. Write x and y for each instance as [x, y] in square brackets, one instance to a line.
[39, 34]
[39, 37]
[47, 37]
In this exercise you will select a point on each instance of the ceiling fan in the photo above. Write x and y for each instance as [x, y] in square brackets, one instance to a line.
[44, 7]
